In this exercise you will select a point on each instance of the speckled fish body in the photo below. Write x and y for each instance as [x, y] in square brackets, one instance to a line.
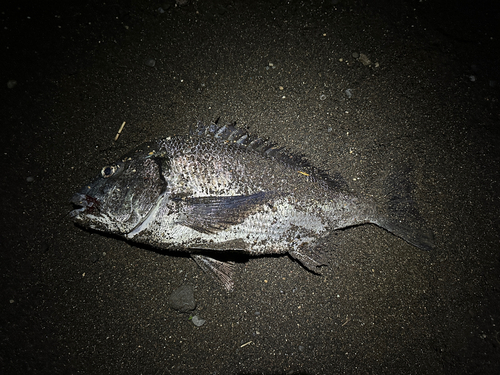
[219, 190]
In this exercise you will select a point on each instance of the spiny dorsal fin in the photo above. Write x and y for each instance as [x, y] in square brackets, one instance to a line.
[239, 136]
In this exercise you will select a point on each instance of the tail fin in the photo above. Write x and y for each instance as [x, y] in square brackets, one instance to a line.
[398, 212]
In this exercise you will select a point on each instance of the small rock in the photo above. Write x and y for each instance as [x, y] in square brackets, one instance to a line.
[182, 299]
[198, 322]
[94, 258]
[150, 62]
[364, 59]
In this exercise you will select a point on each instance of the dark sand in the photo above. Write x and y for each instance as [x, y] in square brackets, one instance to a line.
[75, 302]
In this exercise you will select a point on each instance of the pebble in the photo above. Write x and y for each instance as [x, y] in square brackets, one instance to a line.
[182, 299]
[150, 62]
[30, 179]
[94, 258]
[364, 59]
[197, 321]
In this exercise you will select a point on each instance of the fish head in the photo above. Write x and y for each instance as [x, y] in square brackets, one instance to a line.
[123, 195]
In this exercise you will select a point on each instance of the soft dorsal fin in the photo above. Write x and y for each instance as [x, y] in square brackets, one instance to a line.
[230, 133]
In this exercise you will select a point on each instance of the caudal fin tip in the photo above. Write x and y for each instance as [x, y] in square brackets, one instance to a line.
[400, 215]
[425, 240]
[416, 235]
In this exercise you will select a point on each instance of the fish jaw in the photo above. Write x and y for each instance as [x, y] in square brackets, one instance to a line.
[85, 202]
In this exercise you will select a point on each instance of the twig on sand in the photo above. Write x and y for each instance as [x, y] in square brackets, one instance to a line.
[119, 131]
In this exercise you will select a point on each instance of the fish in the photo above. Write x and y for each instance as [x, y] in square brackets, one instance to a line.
[218, 190]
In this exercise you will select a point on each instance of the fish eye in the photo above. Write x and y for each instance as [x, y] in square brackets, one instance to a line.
[108, 171]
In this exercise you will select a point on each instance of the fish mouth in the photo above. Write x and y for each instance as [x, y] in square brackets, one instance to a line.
[83, 203]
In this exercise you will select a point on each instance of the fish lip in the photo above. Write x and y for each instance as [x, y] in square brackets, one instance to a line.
[76, 212]
[78, 200]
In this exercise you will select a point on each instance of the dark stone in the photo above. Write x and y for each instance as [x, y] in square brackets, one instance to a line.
[182, 299]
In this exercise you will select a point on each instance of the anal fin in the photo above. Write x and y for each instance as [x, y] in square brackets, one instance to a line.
[221, 271]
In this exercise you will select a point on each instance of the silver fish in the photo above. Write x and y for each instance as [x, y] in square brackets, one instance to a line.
[220, 190]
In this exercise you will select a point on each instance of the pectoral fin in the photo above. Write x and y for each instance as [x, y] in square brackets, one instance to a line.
[213, 214]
